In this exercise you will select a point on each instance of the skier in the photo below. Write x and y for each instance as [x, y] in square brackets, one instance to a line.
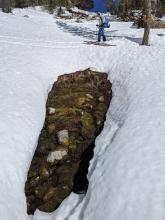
[103, 23]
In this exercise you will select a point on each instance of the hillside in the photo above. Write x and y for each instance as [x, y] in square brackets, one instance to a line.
[126, 174]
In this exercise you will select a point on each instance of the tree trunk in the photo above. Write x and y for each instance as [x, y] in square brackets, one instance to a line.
[124, 9]
[6, 6]
[159, 9]
[147, 17]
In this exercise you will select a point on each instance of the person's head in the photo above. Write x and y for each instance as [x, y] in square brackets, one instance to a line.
[98, 13]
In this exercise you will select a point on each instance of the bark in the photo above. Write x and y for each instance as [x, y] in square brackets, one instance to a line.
[124, 8]
[6, 6]
[147, 14]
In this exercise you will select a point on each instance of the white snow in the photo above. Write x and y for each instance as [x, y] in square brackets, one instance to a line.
[163, 18]
[127, 173]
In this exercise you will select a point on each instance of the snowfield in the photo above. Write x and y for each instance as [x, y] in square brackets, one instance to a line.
[127, 173]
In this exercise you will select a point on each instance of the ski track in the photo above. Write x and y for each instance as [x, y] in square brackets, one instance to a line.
[41, 45]
[36, 40]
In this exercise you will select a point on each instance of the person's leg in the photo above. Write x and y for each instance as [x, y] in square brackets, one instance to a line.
[99, 35]
[104, 37]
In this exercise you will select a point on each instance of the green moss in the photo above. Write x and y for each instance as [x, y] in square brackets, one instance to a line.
[32, 173]
[87, 119]
[62, 113]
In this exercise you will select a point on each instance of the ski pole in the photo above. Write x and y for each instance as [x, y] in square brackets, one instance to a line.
[96, 33]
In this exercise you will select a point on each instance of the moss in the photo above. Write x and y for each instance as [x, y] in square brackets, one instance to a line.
[52, 191]
[68, 172]
[45, 146]
[62, 113]
[43, 172]
[55, 196]
[87, 119]
[70, 100]
[72, 147]
[51, 129]
[41, 190]
[32, 173]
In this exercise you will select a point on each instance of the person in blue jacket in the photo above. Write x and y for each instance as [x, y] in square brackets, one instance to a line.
[101, 27]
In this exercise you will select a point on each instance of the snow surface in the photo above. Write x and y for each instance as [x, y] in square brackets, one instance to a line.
[163, 18]
[127, 173]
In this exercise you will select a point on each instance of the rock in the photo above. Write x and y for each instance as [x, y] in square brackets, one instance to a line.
[81, 101]
[49, 206]
[31, 198]
[41, 190]
[51, 128]
[86, 119]
[63, 137]
[87, 133]
[44, 173]
[76, 109]
[68, 170]
[53, 198]
[32, 173]
[56, 155]
[31, 184]
[26, 16]
[160, 35]
[72, 147]
[50, 193]
[101, 99]
[51, 111]
[98, 122]
[89, 96]
[45, 146]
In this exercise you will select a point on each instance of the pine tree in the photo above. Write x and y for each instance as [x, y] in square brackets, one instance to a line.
[49, 4]
[6, 6]
[110, 6]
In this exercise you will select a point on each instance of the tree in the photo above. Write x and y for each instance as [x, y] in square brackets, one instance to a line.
[160, 10]
[48, 4]
[110, 6]
[147, 18]
[124, 11]
[123, 6]
[6, 6]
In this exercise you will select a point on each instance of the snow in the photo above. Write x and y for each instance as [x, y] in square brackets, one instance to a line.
[163, 18]
[75, 9]
[127, 173]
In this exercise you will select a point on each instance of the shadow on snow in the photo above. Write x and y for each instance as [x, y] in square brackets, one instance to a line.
[91, 34]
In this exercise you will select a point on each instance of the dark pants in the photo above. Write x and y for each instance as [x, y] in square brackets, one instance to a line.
[101, 34]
